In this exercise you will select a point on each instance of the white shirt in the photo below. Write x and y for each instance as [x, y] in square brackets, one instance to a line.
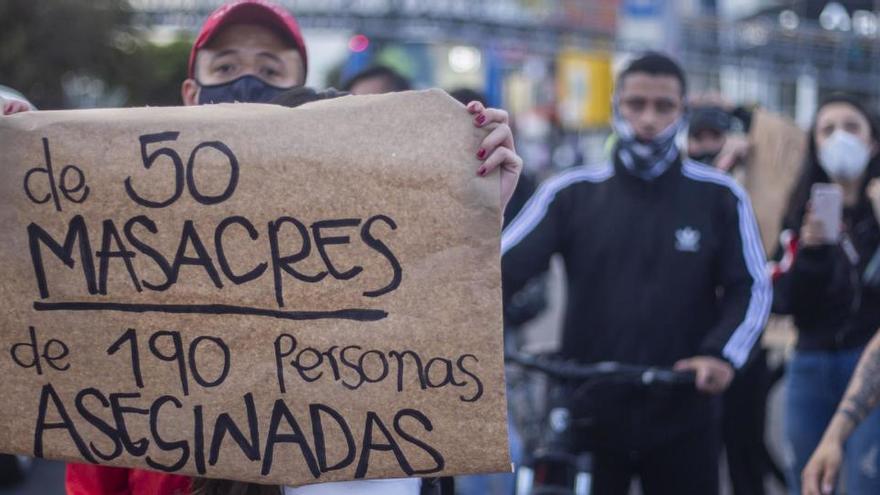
[401, 486]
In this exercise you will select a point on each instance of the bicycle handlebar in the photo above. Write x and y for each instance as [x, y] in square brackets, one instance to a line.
[567, 370]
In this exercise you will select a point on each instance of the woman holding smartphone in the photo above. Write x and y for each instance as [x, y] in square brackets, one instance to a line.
[831, 233]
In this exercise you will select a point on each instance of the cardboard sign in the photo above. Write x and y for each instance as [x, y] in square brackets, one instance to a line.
[253, 292]
[778, 149]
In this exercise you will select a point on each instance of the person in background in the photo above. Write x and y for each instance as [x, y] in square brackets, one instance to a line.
[664, 268]
[376, 80]
[862, 396]
[717, 132]
[712, 140]
[826, 284]
[707, 133]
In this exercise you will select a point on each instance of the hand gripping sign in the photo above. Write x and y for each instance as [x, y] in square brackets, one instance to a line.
[253, 292]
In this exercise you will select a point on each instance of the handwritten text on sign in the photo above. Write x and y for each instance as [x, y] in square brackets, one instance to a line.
[253, 301]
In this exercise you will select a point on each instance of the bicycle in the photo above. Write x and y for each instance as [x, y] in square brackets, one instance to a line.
[551, 466]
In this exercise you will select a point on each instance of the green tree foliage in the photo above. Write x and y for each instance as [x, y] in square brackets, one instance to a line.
[44, 43]
[153, 73]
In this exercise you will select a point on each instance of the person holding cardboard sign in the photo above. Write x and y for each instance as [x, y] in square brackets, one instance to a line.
[823, 278]
[252, 51]
[665, 268]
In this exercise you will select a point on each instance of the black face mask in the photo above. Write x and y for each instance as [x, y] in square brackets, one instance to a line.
[705, 158]
[245, 89]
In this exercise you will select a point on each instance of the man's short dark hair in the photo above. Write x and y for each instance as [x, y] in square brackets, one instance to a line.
[467, 95]
[654, 64]
[396, 81]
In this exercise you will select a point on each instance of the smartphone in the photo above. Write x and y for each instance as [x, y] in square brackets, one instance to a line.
[826, 203]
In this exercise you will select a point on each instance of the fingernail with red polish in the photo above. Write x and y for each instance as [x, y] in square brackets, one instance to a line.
[481, 172]
[481, 153]
[480, 119]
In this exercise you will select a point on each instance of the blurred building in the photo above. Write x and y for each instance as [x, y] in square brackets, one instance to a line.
[550, 62]
[784, 55]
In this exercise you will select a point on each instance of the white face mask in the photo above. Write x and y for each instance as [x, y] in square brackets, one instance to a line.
[844, 156]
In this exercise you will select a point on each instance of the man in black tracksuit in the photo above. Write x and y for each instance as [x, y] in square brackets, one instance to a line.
[664, 267]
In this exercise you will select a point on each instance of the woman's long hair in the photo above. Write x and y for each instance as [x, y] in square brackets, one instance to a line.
[813, 173]
[205, 486]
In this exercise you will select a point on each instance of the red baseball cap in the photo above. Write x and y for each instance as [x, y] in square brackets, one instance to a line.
[258, 12]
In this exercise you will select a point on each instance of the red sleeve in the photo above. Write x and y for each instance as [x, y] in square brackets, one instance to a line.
[88, 479]
[154, 483]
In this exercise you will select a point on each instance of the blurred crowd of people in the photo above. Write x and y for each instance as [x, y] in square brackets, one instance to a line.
[667, 264]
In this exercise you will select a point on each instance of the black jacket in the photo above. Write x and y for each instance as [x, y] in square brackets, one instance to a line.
[824, 288]
[657, 271]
